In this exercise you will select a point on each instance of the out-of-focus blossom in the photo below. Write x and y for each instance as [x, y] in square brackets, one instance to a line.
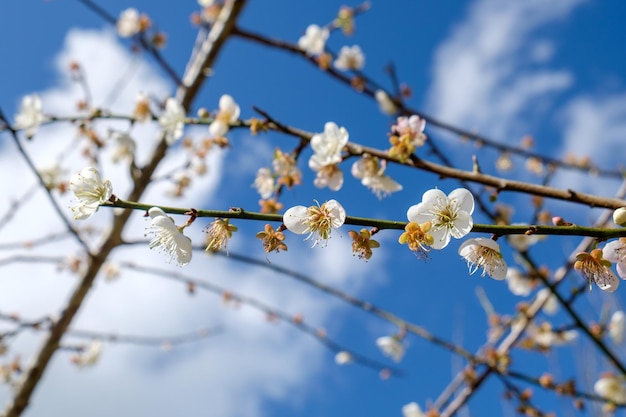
[314, 40]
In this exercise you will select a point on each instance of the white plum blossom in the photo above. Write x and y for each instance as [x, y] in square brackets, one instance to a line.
[172, 120]
[169, 238]
[386, 105]
[412, 410]
[124, 146]
[227, 114]
[129, 23]
[314, 40]
[30, 115]
[519, 284]
[450, 216]
[327, 146]
[52, 175]
[90, 356]
[264, 183]
[615, 252]
[521, 243]
[544, 336]
[484, 253]
[371, 172]
[550, 302]
[617, 326]
[343, 357]
[350, 58]
[611, 387]
[595, 268]
[90, 191]
[317, 219]
[329, 176]
[391, 347]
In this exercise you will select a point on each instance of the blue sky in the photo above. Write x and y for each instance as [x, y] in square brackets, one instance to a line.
[552, 70]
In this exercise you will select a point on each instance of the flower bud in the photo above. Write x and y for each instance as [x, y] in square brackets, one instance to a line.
[619, 216]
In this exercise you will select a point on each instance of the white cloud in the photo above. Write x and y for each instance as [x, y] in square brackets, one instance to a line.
[233, 373]
[482, 75]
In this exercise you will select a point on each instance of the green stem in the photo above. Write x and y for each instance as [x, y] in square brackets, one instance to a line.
[497, 230]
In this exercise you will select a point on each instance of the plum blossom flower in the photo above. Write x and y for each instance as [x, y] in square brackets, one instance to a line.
[450, 215]
[273, 240]
[407, 135]
[327, 146]
[172, 120]
[315, 219]
[227, 114]
[386, 105]
[617, 326]
[286, 168]
[611, 387]
[615, 251]
[52, 176]
[417, 238]
[125, 146]
[89, 356]
[314, 40]
[484, 253]
[545, 337]
[30, 115]
[343, 357]
[391, 346]
[519, 284]
[169, 238]
[371, 172]
[142, 112]
[129, 23]
[550, 302]
[219, 233]
[329, 176]
[350, 58]
[264, 183]
[596, 269]
[362, 244]
[90, 191]
[412, 410]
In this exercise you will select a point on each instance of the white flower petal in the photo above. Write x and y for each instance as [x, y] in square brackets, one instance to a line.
[464, 199]
[295, 219]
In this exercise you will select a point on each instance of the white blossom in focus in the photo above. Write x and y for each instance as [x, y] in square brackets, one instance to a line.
[615, 252]
[518, 283]
[227, 114]
[129, 23]
[343, 358]
[90, 191]
[167, 237]
[30, 116]
[90, 356]
[385, 103]
[327, 146]
[617, 326]
[264, 183]
[595, 268]
[484, 253]
[172, 120]
[551, 304]
[449, 215]
[612, 388]
[391, 347]
[371, 172]
[314, 40]
[313, 220]
[350, 58]
[412, 410]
